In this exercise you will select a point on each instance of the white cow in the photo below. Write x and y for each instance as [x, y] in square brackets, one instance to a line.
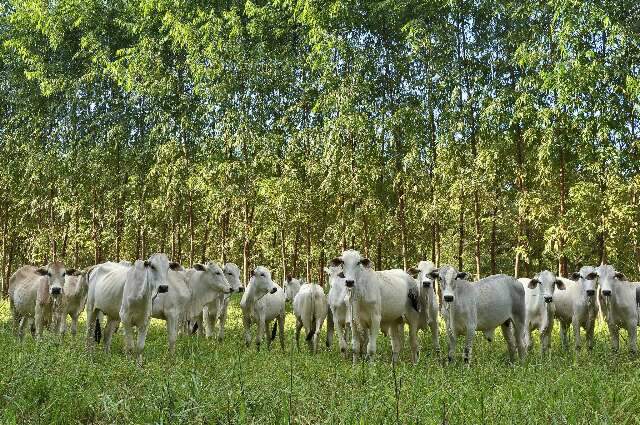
[576, 306]
[379, 299]
[125, 294]
[208, 284]
[428, 300]
[216, 311]
[172, 306]
[540, 306]
[262, 302]
[619, 307]
[340, 308]
[310, 309]
[34, 294]
[482, 306]
[74, 297]
[291, 287]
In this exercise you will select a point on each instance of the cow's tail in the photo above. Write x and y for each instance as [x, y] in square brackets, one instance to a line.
[312, 331]
[274, 329]
[97, 333]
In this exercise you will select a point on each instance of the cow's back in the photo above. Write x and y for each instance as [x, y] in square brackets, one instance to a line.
[106, 285]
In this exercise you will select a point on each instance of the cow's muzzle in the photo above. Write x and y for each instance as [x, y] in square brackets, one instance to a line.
[273, 290]
[426, 284]
[349, 283]
[448, 298]
[591, 292]
[162, 289]
[56, 291]
[606, 292]
[548, 299]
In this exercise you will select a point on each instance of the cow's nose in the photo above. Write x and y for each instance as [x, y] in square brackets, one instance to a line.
[548, 299]
[591, 292]
[606, 292]
[448, 298]
[163, 289]
[426, 284]
[274, 290]
[349, 283]
[56, 291]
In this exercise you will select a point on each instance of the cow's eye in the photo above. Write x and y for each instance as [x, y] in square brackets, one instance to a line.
[63, 274]
[592, 276]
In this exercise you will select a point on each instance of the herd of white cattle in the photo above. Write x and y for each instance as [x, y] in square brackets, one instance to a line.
[360, 303]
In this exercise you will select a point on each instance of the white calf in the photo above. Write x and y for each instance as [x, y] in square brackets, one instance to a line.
[34, 294]
[340, 308]
[619, 307]
[428, 300]
[216, 311]
[310, 309]
[262, 302]
[74, 298]
[172, 306]
[484, 305]
[379, 299]
[540, 306]
[576, 306]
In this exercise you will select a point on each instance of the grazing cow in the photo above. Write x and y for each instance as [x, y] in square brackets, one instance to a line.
[172, 306]
[619, 307]
[482, 306]
[216, 310]
[207, 283]
[540, 306]
[576, 306]
[428, 300]
[310, 309]
[74, 297]
[126, 294]
[34, 294]
[340, 308]
[379, 299]
[291, 288]
[262, 302]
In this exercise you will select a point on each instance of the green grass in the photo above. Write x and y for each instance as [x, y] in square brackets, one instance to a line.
[211, 382]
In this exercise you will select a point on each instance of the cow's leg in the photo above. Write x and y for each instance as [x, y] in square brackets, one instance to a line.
[633, 337]
[452, 345]
[589, 331]
[545, 337]
[39, 319]
[210, 319]
[340, 331]
[374, 330]
[563, 335]
[435, 334]
[614, 333]
[128, 338]
[16, 317]
[413, 342]
[109, 330]
[280, 320]
[246, 322]
[298, 329]
[74, 324]
[172, 334]
[331, 325]
[23, 322]
[394, 333]
[509, 337]
[142, 337]
[261, 331]
[222, 319]
[575, 323]
[91, 328]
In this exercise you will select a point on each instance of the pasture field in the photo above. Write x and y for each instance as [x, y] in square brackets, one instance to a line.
[211, 382]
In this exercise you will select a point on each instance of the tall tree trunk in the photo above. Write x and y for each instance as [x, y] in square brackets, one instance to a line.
[461, 231]
[283, 251]
[494, 216]
[296, 245]
[562, 262]
[308, 243]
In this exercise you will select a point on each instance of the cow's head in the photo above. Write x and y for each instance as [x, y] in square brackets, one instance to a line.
[291, 288]
[232, 273]
[587, 279]
[214, 277]
[157, 267]
[55, 274]
[261, 278]
[449, 280]
[608, 276]
[547, 282]
[352, 265]
[422, 273]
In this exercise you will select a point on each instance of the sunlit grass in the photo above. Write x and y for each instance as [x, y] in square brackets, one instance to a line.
[211, 382]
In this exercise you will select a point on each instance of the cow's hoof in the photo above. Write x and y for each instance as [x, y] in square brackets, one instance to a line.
[449, 359]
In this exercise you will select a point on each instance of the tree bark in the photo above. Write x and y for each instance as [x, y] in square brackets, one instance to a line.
[461, 231]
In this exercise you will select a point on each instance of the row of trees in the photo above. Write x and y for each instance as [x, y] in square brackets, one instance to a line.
[498, 136]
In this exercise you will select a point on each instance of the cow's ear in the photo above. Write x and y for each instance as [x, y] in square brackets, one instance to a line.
[70, 272]
[434, 273]
[462, 276]
[533, 283]
[147, 263]
[174, 266]
[42, 271]
[560, 285]
[620, 276]
[575, 275]
[199, 267]
[413, 272]
[337, 261]
[365, 263]
[289, 278]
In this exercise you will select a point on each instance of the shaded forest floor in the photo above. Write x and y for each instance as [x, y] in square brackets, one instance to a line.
[212, 382]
